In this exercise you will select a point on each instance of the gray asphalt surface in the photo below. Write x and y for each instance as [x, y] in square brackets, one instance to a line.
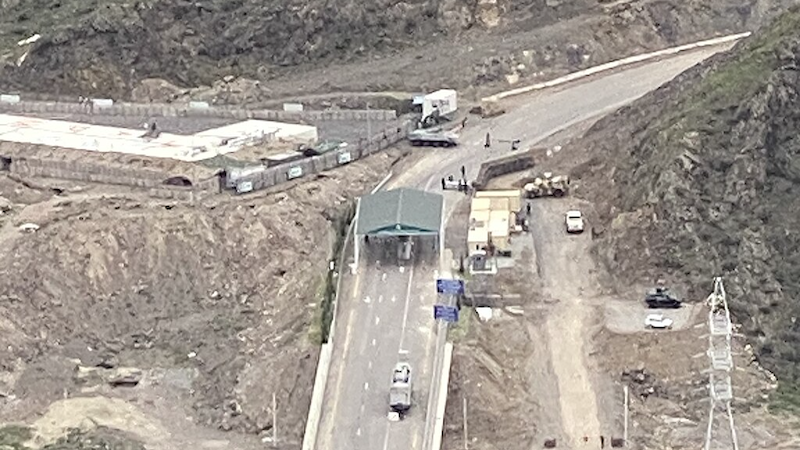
[369, 335]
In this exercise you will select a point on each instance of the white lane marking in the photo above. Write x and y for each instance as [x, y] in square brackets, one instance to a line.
[377, 320]
[380, 298]
[369, 366]
[358, 431]
[394, 299]
[362, 407]
[405, 309]
[386, 440]
[383, 277]
[374, 342]
[366, 386]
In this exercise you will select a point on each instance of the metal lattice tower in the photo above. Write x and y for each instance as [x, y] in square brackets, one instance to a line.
[719, 383]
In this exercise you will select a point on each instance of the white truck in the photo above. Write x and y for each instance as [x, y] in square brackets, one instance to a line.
[574, 221]
[443, 103]
[400, 390]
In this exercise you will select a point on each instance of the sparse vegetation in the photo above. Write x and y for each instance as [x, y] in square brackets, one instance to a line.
[13, 437]
[708, 166]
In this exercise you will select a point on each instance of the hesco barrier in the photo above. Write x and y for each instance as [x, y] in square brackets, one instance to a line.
[14, 104]
[286, 172]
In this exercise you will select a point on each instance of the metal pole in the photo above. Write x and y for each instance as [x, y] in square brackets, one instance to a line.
[733, 429]
[625, 420]
[355, 236]
[466, 435]
[369, 130]
[707, 446]
[274, 420]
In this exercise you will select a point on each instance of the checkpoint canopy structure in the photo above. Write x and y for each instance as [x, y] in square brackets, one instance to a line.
[399, 213]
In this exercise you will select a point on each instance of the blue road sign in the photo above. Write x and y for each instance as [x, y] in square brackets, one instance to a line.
[445, 286]
[445, 312]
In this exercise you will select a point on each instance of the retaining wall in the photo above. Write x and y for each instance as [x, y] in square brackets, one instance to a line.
[316, 164]
[502, 166]
[153, 180]
[10, 103]
[99, 173]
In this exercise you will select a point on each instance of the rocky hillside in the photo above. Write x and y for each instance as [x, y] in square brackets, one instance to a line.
[702, 178]
[106, 47]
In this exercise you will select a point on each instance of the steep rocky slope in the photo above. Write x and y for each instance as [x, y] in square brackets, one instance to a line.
[701, 178]
[105, 47]
[216, 305]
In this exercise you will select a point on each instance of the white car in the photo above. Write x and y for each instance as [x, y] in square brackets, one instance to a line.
[574, 221]
[658, 321]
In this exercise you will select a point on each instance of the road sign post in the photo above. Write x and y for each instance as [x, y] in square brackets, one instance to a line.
[452, 287]
[445, 313]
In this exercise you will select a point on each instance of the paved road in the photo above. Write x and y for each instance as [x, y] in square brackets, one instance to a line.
[391, 309]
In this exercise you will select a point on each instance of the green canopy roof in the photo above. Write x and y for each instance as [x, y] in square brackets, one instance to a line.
[400, 212]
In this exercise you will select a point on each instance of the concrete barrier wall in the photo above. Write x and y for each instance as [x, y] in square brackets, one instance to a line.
[14, 104]
[279, 174]
[153, 180]
[502, 166]
[616, 64]
[98, 173]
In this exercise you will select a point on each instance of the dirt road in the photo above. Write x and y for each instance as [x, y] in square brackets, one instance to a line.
[568, 279]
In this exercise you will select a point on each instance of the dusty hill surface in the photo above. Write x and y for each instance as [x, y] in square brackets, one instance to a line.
[106, 47]
[136, 315]
[701, 178]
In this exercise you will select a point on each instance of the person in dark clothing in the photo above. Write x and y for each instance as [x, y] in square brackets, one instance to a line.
[528, 208]
[488, 141]
[442, 183]
[602, 442]
[463, 172]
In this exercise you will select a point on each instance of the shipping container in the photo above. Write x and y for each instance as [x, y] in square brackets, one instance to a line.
[445, 100]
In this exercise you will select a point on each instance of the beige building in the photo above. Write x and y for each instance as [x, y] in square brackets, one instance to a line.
[492, 217]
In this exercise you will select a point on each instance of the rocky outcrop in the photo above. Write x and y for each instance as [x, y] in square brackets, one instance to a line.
[701, 178]
[106, 49]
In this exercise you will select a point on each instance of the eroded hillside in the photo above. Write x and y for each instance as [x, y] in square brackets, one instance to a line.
[133, 314]
[106, 47]
[701, 178]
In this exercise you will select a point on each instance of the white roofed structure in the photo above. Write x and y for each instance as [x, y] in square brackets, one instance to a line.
[197, 147]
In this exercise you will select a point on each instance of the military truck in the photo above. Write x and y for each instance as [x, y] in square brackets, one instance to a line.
[547, 185]
[434, 137]
[400, 390]
[661, 297]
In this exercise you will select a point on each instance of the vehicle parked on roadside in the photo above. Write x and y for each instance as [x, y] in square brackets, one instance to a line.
[574, 221]
[658, 321]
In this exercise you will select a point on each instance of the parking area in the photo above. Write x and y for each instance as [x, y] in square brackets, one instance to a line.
[628, 316]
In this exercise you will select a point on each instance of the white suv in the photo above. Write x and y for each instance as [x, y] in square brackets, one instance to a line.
[574, 221]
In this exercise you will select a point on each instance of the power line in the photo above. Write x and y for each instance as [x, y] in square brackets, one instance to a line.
[720, 386]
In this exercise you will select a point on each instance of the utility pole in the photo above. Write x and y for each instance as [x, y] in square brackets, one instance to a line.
[369, 130]
[466, 435]
[274, 420]
[721, 362]
[625, 420]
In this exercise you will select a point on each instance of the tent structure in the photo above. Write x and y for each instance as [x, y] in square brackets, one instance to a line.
[399, 212]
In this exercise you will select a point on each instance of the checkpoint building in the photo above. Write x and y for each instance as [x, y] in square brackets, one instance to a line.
[405, 221]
